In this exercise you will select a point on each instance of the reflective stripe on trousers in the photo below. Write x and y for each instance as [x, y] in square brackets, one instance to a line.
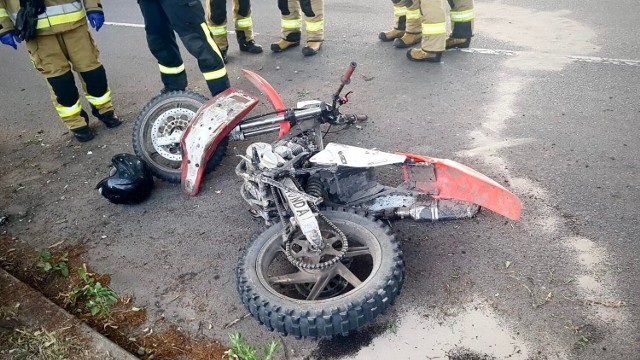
[291, 24]
[463, 16]
[97, 101]
[434, 29]
[243, 23]
[218, 30]
[414, 14]
[65, 112]
[399, 11]
[314, 26]
[171, 70]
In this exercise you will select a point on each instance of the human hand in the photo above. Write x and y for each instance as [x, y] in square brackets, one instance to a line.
[96, 20]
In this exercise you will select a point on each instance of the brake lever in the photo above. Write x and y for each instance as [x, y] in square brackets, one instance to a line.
[345, 99]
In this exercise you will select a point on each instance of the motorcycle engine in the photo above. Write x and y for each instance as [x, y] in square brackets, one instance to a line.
[261, 157]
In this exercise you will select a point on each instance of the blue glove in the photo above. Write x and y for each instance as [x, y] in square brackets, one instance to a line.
[10, 40]
[96, 20]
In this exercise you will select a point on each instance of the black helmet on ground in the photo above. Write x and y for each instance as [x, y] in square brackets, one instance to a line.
[130, 180]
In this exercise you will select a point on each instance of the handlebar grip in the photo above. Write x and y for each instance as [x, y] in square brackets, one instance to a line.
[346, 79]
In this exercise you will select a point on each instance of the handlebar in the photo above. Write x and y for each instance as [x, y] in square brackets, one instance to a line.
[346, 79]
[326, 113]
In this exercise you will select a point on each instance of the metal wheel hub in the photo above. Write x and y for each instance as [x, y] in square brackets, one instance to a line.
[170, 125]
[302, 250]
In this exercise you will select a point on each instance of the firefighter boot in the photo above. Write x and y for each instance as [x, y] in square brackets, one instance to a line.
[290, 41]
[249, 46]
[311, 48]
[407, 40]
[396, 32]
[453, 43]
[109, 119]
[391, 35]
[83, 133]
[421, 55]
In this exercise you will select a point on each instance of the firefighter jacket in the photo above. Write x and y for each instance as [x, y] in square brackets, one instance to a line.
[60, 15]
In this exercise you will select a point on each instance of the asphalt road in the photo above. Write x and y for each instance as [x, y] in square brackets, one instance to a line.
[546, 102]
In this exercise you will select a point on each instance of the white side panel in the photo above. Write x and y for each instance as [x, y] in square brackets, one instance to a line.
[351, 156]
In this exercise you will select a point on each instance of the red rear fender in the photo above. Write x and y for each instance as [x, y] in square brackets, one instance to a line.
[456, 181]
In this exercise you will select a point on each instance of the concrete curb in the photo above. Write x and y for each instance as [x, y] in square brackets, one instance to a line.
[34, 307]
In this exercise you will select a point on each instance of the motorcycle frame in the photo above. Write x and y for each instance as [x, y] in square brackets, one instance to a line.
[449, 181]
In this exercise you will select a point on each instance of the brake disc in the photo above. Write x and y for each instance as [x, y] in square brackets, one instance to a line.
[167, 124]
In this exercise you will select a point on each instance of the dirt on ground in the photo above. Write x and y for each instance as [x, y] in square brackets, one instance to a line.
[124, 324]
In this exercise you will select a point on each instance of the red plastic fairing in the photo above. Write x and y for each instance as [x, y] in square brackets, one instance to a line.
[275, 99]
[457, 181]
[211, 124]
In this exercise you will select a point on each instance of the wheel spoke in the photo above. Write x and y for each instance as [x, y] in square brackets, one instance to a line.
[299, 277]
[331, 251]
[320, 285]
[348, 275]
[357, 251]
[329, 236]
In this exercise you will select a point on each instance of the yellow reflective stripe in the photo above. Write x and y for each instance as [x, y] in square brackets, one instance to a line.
[434, 29]
[216, 74]
[314, 26]
[218, 30]
[291, 24]
[414, 14]
[60, 19]
[101, 100]
[399, 10]
[3, 13]
[244, 23]
[65, 112]
[171, 70]
[463, 16]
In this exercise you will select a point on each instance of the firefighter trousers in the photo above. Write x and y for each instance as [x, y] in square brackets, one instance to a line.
[54, 56]
[291, 21]
[187, 19]
[463, 14]
[435, 26]
[217, 21]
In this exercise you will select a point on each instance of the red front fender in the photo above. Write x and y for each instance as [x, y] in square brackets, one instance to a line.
[211, 124]
[456, 181]
[274, 98]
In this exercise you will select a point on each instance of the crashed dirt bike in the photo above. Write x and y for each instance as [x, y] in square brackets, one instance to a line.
[325, 264]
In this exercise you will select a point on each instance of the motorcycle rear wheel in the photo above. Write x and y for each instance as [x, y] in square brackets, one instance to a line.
[163, 115]
[373, 267]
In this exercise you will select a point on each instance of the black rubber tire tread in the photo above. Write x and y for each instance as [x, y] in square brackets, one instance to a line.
[329, 318]
[172, 176]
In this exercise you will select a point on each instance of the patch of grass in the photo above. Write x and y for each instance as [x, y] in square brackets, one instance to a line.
[49, 263]
[97, 297]
[241, 350]
[27, 344]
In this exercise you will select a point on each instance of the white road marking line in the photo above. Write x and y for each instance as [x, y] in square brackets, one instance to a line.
[141, 26]
[124, 24]
[600, 60]
[588, 59]
[489, 51]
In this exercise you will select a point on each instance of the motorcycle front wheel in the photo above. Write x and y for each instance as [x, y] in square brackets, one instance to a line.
[322, 303]
[158, 129]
